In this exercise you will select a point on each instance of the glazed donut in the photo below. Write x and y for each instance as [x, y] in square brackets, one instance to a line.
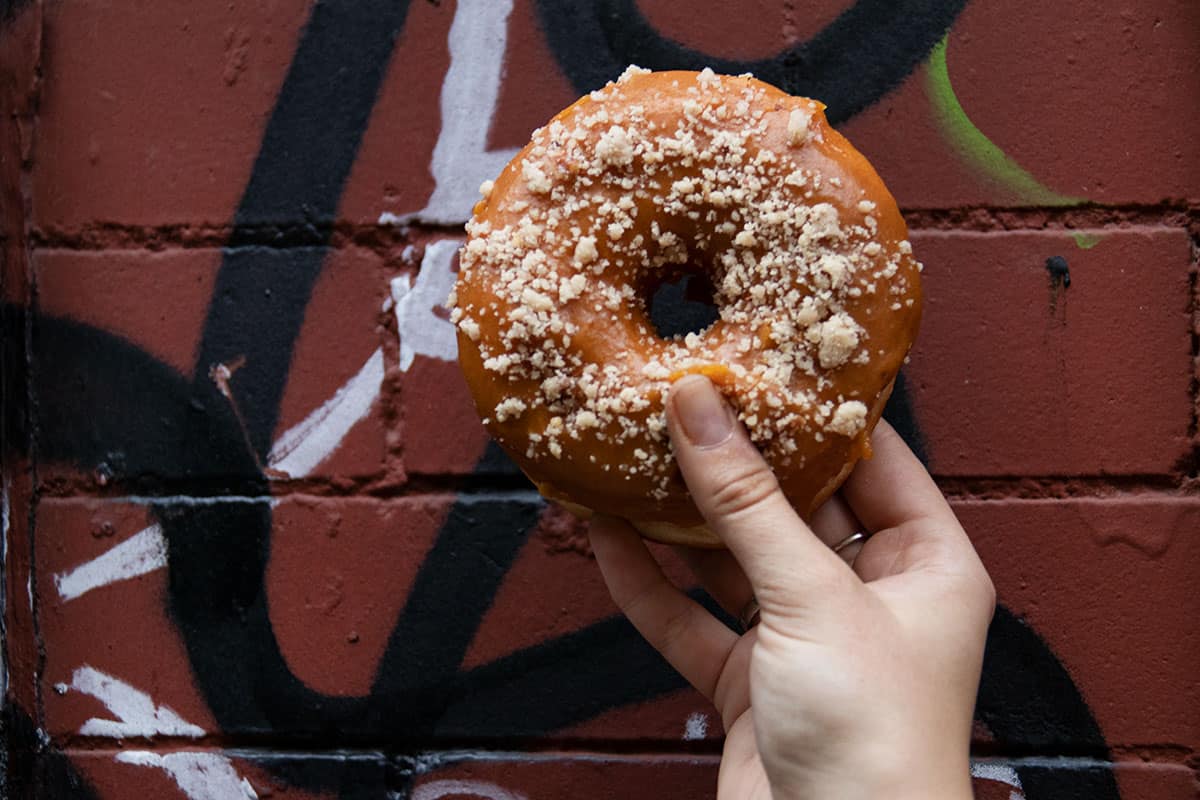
[653, 177]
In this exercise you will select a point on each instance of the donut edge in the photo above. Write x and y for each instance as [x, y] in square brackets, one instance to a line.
[702, 536]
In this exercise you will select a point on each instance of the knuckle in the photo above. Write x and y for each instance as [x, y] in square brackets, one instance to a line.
[651, 610]
[674, 630]
[743, 491]
[639, 603]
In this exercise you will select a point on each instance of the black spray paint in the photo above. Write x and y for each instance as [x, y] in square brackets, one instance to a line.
[105, 397]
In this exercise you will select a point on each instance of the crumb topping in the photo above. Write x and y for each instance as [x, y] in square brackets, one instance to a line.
[849, 418]
[608, 201]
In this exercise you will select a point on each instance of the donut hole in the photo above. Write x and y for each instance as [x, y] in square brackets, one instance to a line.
[681, 304]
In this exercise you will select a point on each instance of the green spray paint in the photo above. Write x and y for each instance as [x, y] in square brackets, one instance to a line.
[980, 152]
[1085, 241]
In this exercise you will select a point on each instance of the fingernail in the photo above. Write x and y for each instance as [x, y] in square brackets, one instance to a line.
[701, 411]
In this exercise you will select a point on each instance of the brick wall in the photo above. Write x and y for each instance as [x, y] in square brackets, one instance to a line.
[255, 540]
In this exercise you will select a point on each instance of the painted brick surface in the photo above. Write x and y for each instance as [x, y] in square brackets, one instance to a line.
[122, 148]
[255, 539]
[1122, 608]
[1105, 367]
[1026, 377]
[126, 773]
[158, 302]
[1111, 89]
[182, 774]
[343, 579]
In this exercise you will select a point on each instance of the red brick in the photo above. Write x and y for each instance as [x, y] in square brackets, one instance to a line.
[106, 123]
[20, 52]
[1094, 103]
[1067, 779]
[440, 432]
[1003, 383]
[153, 116]
[336, 580]
[334, 599]
[1157, 782]
[121, 629]
[1008, 380]
[117, 775]
[750, 30]
[546, 775]
[339, 574]
[391, 170]
[602, 777]
[694, 777]
[554, 588]
[1108, 584]
[343, 328]
[159, 301]
[534, 87]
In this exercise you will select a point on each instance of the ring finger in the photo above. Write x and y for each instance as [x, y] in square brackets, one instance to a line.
[722, 577]
[834, 523]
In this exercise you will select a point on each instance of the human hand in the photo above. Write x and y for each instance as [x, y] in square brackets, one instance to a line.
[860, 680]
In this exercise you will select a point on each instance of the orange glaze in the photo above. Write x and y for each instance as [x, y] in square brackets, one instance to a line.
[720, 374]
[817, 344]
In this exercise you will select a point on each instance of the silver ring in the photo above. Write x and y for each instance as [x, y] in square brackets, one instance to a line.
[750, 615]
[853, 538]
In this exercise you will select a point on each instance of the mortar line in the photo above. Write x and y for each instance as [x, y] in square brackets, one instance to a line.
[340, 234]
[430, 755]
[978, 487]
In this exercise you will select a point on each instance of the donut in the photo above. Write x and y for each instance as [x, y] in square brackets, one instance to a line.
[657, 176]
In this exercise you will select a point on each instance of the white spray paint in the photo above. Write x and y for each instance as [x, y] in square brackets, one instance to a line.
[143, 552]
[136, 714]
[470, 91]
[297, 452]
[301, 448]
[421, 331]
[696, 726]
[201, 776]
[434, 790]
[461, 161]
[1000, 773]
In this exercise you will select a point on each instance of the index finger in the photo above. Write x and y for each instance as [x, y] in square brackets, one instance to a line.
[740, 499]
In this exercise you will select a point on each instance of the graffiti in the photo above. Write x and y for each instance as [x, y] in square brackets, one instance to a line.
[143, 552]
[422, 331]
[110, 402]
[419, 690]
[1059, 271]
[974, 147]
[137, 715]
[470, 90]
[449, 788]
[201, 776]
[301, 448]
[859, 57]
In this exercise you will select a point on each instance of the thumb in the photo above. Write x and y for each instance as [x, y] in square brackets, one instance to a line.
[740, 499]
